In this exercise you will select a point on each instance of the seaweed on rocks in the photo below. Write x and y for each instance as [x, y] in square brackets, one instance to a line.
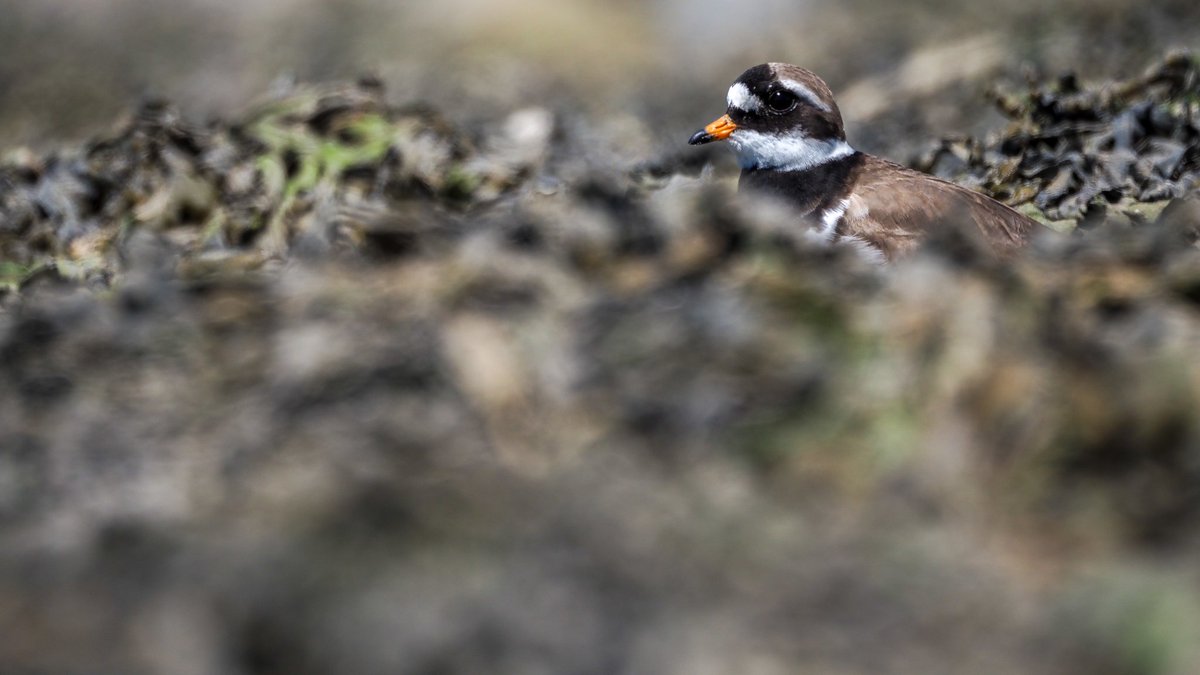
[1074, 150]
[311, 168]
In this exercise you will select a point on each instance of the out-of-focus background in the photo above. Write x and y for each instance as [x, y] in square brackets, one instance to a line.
[67, 67]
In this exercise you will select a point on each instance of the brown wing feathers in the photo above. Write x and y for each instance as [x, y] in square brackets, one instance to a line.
[894, 207]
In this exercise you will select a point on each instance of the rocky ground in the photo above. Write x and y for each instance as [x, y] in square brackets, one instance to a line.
[341, 386]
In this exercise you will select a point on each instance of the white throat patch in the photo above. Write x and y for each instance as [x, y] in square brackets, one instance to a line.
[789, 152]
[739, 97]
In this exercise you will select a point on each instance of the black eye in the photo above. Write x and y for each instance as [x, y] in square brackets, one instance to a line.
[780, 100]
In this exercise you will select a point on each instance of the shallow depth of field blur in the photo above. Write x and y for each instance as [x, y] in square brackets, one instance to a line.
[410, 337]
[67, 67]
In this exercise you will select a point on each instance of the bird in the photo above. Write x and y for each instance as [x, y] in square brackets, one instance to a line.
[787, 132]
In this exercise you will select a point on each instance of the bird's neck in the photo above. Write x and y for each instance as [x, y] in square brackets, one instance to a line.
[808, 190]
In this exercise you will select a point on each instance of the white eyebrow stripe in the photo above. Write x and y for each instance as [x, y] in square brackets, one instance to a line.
[740, 97]
[805, 93]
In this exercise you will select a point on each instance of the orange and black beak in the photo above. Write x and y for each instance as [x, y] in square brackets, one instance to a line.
[717, 131]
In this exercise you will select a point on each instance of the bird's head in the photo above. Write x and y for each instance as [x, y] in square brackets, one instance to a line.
[780, 117]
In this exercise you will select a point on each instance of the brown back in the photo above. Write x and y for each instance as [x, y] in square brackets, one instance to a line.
[894, 208]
